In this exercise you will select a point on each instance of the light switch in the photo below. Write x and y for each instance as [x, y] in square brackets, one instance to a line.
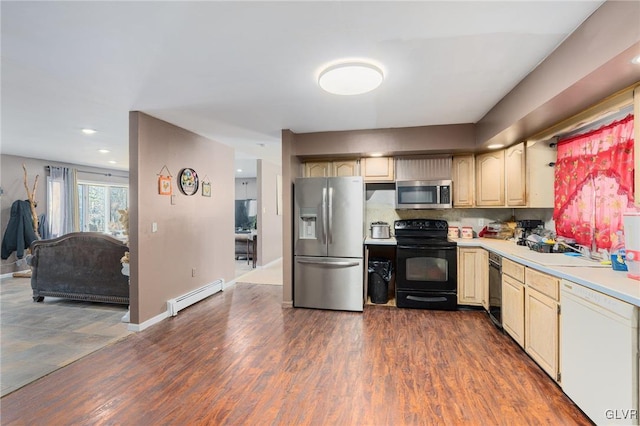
[154, 227]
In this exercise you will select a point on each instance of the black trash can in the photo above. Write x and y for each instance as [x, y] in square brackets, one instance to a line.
[380, 271]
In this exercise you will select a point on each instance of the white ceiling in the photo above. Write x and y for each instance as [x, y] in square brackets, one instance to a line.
[239, 72]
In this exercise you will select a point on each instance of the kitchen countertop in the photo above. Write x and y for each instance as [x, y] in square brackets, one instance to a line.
[391, 241]
[585, 272]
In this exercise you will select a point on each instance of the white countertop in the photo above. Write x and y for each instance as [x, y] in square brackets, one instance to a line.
[380, 241]
[588, 273]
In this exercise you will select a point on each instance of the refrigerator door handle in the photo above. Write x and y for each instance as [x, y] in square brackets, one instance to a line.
[319, 262]
[324, 215]
[330, 215]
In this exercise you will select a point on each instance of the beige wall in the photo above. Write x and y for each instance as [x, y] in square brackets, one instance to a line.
[407, 140]
[591, 64]
[196, 232]
[12, 182]
[269, 221]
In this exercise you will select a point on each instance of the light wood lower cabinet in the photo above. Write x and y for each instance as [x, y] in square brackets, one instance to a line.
[513, 308]
[473, 277]
[541, 330]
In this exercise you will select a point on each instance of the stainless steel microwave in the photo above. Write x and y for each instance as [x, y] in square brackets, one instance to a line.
[423, 194]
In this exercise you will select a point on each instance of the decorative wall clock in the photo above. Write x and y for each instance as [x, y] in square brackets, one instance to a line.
[188, 181]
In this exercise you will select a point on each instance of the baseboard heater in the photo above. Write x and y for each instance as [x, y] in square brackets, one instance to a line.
[188, 299]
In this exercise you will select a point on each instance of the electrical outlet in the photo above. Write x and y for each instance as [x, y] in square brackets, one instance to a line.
[173, 199]
[193, 272]
[154, 227]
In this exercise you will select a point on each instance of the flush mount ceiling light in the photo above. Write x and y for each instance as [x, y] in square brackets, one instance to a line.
[351, 78]
[104, 151]
[636, 60]
[88, 131]
[495, 146]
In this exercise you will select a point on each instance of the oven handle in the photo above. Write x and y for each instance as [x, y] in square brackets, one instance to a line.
[426, 247]
[427, 299]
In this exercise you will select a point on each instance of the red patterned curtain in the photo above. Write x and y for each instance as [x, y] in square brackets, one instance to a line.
[594, 183]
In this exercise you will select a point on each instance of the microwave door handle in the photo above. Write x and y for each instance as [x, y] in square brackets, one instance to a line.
[324, 215]
[330, 215]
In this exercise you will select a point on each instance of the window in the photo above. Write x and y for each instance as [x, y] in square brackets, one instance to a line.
[99, 204]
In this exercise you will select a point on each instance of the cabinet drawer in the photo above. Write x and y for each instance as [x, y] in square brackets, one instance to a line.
[514, 270]
[545, 284]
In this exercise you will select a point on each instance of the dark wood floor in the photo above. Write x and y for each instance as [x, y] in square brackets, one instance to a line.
[239, 358]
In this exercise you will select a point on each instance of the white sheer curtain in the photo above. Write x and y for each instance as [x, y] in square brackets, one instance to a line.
[62, 201]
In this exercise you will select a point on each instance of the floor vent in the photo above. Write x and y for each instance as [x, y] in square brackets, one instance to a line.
[188, 299]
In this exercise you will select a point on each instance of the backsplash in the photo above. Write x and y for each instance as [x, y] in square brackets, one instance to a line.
[380, 207]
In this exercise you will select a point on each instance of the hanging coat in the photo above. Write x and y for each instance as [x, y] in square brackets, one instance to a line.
[19, 233]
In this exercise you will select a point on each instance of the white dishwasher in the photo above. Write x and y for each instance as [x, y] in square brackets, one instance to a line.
[599, 354]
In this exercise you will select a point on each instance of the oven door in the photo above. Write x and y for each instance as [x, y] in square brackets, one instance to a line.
[429, 268]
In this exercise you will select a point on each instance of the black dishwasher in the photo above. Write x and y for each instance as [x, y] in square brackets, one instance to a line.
[495, 288]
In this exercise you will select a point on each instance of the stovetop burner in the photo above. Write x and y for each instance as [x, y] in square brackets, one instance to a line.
[421, 229]
[422, 224]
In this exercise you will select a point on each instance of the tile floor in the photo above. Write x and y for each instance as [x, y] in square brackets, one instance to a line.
[39, 338]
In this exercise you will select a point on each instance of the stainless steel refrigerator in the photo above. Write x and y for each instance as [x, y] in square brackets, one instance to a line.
[329, 236]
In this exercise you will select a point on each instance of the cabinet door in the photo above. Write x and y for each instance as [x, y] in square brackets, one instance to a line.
[345, 168]
[317, 169]
[513, 308]
[540, 176]
[378, 169]
[515, 176]
[541, 330]
[463, 181]
[490, 179]
[473, 276]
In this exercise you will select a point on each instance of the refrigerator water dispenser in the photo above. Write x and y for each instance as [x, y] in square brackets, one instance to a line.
[307, 226]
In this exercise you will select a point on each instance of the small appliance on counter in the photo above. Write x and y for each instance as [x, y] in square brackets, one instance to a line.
[497, 230]
[524, 228]
[380, 230]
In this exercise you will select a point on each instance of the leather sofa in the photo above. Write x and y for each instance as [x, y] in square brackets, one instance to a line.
[81, 266]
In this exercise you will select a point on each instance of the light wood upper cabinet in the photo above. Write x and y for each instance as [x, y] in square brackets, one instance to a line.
[473, 276]
[540, 175]
[317, 169]
[378, 169]
[345, 168]
[490, 179]
[463, 176]
[514, 175]
[330, 168]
